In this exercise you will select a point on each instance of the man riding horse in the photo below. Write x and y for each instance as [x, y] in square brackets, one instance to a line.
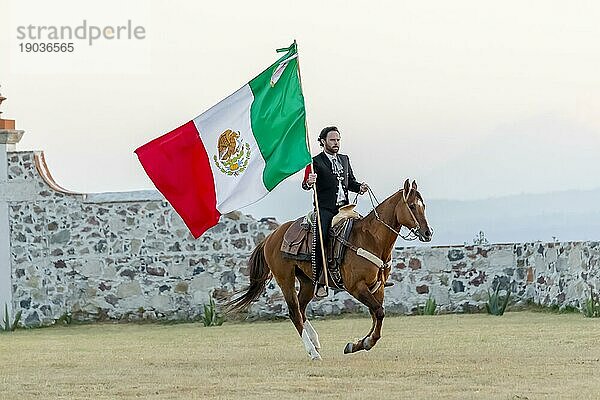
[332, 178]
[367, 264]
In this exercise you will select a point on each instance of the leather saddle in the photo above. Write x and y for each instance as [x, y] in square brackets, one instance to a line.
[298, 240]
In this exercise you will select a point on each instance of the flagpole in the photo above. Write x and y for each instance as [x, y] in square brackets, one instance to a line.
[316, 198]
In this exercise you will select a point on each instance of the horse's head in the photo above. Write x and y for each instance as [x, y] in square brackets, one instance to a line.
[410, 212]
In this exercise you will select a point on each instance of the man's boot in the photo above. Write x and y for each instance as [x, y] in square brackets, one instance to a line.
[320, 288]
[320, 291]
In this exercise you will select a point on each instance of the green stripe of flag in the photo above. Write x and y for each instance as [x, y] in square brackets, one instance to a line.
[278, 120]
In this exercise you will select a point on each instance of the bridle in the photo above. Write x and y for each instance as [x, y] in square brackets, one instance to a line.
[413, 232]
[382, 265]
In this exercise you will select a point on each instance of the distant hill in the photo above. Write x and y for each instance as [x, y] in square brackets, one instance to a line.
[536, 155]
[566, 215]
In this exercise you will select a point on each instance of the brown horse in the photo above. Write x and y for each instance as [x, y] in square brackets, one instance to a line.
[364, 275]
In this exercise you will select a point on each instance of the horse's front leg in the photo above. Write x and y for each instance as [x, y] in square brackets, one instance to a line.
[374, 321]
[347, 349]
[376, 309]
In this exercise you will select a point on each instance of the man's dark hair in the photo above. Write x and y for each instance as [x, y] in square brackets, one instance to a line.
[325, 131]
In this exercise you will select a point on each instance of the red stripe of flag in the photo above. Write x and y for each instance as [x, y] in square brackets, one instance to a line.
[178, 165]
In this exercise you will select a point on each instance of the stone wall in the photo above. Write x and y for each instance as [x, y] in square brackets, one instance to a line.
[459, 277]
[120, 255]
[129, 256]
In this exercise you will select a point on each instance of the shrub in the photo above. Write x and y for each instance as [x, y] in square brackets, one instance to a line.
[66, 319]
[496, 304]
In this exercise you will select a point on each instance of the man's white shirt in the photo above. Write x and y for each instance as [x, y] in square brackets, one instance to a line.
[335, 160]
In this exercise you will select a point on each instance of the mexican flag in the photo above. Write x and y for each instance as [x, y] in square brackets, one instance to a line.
[236, 152]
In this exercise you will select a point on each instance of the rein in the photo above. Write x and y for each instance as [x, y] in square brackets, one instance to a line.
[412, 235]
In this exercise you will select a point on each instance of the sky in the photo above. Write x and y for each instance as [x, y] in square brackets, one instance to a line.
[471, 99]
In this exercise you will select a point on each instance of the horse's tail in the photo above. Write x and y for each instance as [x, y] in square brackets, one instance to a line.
[260, 275]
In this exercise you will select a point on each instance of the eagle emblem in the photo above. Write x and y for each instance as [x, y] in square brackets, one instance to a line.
[233, 153]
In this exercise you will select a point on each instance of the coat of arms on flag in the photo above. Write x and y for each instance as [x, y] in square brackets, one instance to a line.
[234, 154]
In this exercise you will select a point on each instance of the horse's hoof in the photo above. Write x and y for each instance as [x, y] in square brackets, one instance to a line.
[348, 348]
[316, 357]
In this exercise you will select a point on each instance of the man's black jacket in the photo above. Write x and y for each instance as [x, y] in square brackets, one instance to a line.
[327, 181]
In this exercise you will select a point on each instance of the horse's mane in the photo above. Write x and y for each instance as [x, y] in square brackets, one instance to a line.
[371, 215]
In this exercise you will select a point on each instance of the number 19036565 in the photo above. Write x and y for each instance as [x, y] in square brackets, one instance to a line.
[46, 47]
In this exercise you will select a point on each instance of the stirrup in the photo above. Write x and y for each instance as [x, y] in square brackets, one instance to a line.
[321, 291]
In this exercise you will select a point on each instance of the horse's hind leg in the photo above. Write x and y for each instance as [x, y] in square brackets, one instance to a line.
[375, 306]
[287, 285]
[305, 295]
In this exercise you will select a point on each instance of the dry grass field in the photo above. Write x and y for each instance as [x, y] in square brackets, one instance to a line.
[522, 355]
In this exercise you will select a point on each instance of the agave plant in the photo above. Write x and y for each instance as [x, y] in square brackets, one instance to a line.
[496, 304]
[211, 317]
[7, 326]
[429, 308]
[591, 308]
